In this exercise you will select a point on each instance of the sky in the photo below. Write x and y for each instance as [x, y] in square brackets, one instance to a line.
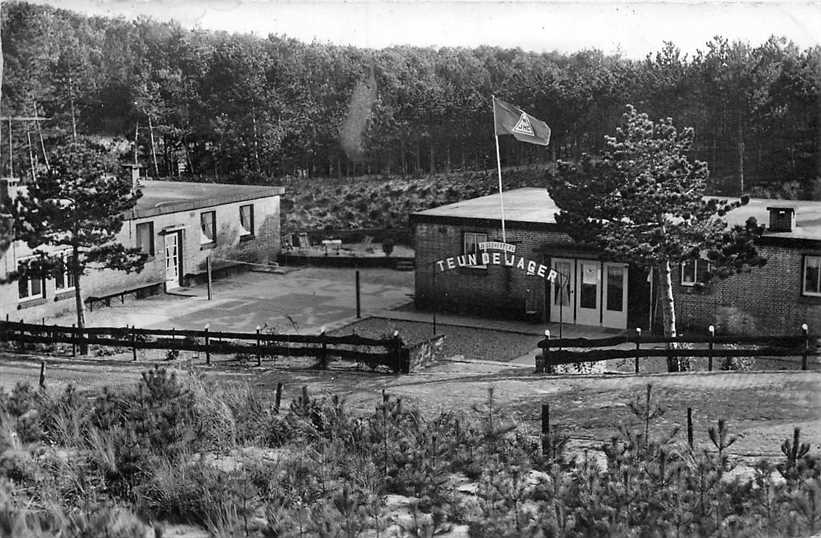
[632, 29]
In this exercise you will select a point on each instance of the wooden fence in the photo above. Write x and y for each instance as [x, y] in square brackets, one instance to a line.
[554, 351]
[390, 352]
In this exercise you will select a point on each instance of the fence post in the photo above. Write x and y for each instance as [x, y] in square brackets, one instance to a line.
[358, 303]
[207, 348]
[73, 341]
[543, 366]
[133, 343]
[208, 271]
[259, 351]
[397, 352]
[712, 333]
[323, 350]
[42, 374]
[278, 397]
[545, 429]
[21, 345]
[690, 427]
[805, 355]
[638, 346]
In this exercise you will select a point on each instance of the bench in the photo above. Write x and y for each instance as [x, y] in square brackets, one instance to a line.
[139, 291]
[200, 276]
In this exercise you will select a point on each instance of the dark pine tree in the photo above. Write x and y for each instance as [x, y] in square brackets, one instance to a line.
[77, 206]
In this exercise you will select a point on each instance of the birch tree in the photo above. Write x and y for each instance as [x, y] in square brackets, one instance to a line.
[644, 202]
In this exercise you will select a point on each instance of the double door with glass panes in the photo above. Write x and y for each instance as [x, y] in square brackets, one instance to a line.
[589, 292]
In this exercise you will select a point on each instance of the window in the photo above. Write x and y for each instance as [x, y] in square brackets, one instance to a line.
[208, 227]
[145, 237]
[246, 220]
[29, 286]
[64, 278]
[812, 275]
[695, 272]
[471, 248]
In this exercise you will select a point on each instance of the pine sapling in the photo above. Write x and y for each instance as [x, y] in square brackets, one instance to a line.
[793, 451]
[646, 411]
[722, 440]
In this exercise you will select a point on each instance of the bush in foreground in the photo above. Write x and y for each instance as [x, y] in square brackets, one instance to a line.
[177, 449]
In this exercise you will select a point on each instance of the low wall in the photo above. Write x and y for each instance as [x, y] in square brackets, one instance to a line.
[426, 353]
[389, 262]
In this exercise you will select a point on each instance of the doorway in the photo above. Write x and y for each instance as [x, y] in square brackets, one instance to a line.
[589, 292]
[561, 290]
[173, 260]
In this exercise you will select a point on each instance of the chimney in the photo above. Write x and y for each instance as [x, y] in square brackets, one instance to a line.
[782, 219]
[133, 170]
[8, 189]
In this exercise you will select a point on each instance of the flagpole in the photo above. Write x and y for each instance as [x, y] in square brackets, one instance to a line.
[499, 168]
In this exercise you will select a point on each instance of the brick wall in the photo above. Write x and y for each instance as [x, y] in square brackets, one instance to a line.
[496, 290]
[262, 248]
[767, 300]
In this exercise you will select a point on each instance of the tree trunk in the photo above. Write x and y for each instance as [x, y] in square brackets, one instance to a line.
[256, 138]
[78, 297]
[447, 159]
[740, 156]
[668, 311]
[404, 158]
[73, 115]
[418, 158]
[432, 158]
[153, 148]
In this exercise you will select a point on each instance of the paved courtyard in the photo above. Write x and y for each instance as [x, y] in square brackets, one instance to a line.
[303, 300]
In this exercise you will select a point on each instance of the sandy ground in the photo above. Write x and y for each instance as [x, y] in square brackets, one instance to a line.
[303, 300]
[761, 407]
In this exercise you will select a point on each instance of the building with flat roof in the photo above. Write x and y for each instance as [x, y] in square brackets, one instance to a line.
[539, 273]
[178, 225]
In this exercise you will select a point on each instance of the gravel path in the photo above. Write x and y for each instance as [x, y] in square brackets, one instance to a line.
[471, 343]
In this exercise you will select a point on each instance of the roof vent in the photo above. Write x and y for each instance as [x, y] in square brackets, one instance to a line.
[782, 219]
[8, 188]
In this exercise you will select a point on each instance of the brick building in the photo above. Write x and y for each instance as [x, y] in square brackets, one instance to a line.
[463, 266]
[177, 224]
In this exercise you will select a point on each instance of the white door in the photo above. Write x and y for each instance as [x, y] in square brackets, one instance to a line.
[588, 293]
[172, 261]
[561, 290]
[614, 312]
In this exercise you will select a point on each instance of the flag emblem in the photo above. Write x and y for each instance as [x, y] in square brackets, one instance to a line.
[523, 126]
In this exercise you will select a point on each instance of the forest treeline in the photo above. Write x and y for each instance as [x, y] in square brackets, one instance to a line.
[247, 108]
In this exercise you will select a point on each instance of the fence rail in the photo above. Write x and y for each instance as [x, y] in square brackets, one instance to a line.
[390, 352]
[586, 350]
